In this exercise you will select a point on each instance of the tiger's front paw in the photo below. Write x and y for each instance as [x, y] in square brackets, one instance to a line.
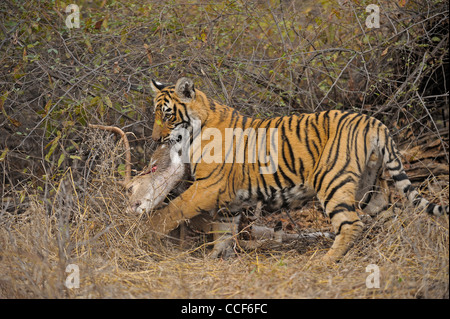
[329, 259]
[162, 223]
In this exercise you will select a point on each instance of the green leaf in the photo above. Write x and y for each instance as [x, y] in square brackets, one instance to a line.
[61, 159]
[3, 155]
[436, 39]
[54, 144]
[22, 196]
[108, 102]
[121, 169]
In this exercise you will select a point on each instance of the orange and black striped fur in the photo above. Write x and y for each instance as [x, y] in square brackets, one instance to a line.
[334, 155]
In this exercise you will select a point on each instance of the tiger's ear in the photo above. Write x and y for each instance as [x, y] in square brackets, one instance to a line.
[185, 89]
[156, 86]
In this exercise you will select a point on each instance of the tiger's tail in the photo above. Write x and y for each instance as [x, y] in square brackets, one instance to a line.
[394, 165]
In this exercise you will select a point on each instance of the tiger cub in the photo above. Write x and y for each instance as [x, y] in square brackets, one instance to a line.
[282, 162]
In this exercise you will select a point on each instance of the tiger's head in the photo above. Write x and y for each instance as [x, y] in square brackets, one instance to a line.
[176, 107]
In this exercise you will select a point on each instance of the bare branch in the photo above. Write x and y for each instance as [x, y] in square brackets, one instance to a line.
[122, 134]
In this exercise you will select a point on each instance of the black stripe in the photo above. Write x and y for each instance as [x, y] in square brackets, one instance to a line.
[286, 178]
[259, 193]
[299, 127]
[314, 126]
[316, 176]
[249, 181]
[336, 176]
[346, 223]
[400, 177]
[301, 170]
[291, 159]
[315, 147]
[280, 119]
[277, 178]
[354, 141]
[365, 131]
[334, 154]
[408, 188]
[343, 207]
[430, 208]
[264, 184]
[326, 119]
[349, 179]
[290, 122]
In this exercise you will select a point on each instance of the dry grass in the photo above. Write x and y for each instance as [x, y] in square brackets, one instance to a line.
[60, 207]
[118, 258]
[412, 254]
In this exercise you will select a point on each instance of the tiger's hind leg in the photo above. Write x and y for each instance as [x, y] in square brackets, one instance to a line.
[345, 221]
[347, 226]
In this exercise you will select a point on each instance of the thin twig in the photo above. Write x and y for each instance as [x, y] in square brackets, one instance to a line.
[122, 134]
